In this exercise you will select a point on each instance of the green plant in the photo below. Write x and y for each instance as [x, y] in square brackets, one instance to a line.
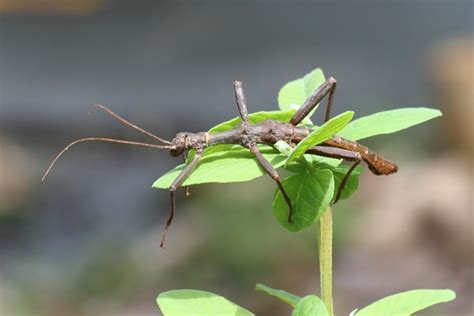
[311, 187]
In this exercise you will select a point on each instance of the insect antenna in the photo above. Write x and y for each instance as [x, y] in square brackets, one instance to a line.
[99, 139]
[129, 124]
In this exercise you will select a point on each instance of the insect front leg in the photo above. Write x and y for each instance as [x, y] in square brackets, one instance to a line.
[241, 102]
[172, 189]
[184, 155]
[338, 153]
[267, 166]
[329, 86]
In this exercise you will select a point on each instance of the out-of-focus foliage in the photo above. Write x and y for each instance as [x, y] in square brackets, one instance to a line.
[289, 298]
[194, 302]
[406, 303]
[310, 305]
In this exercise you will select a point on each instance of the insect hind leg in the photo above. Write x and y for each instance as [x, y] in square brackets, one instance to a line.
[338, 153]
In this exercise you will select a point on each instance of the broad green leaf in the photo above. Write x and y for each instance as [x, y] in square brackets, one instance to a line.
[214, 149]
[223, 167]
[226, 148]
[387, 122]
[310, 305]
[312, 163]
[406, 303]
[310, 194]
[297, 91]
[326, 131]
[194, 302]
[289, 298]
[257, 117]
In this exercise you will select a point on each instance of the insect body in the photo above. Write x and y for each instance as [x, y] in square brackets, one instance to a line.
[249, 135]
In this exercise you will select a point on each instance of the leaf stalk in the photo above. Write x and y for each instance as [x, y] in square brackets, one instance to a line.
[325, 234]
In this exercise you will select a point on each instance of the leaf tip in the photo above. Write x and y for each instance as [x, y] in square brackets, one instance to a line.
[157, 185]
[450, 294]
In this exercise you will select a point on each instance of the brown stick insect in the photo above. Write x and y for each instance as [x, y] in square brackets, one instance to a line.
[249, 135]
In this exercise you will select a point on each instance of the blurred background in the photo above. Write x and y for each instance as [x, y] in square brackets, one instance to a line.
[86, 241]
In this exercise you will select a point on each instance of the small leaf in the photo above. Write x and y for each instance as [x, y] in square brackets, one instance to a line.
[283, 147]
[194, 302]
[257, 117]
[406, 303]
[223, 167]
[289, 298]
[309, 193]
[310, 305]
[297, 91]
[329, 129]
[387, 122]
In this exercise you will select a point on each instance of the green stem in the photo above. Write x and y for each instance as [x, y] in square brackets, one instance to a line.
[325, 258]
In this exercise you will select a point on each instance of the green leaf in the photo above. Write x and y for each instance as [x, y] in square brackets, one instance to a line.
[310, 194]
[387, 122]
[297, 91]
[236, 165]
[194, 302]
[257, 117]
[406, 303]
[329, 129]
[289, 298]
[283, 147]
[310, 305]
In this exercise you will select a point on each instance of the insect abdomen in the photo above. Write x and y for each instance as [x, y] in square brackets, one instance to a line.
[376, 163]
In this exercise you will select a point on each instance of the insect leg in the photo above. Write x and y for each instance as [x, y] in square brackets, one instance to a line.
[267, 166]
[329, 86]
[187, 192]
[338, 153]
[174, 186]
[241, 102]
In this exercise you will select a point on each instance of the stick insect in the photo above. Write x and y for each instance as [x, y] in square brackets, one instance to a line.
[249, 135]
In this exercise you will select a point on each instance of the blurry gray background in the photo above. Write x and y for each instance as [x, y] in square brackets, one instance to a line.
[86, 241]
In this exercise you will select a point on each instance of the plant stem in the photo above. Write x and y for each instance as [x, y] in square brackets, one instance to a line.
[325, 258]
